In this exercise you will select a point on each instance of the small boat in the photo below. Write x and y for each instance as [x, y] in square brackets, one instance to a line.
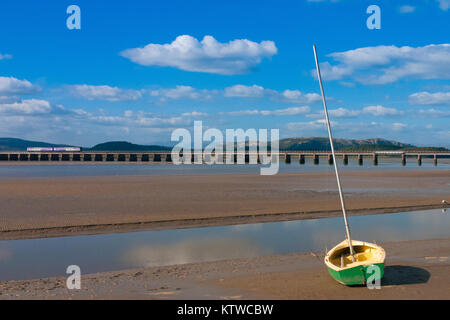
[346, 271]
[350, 262]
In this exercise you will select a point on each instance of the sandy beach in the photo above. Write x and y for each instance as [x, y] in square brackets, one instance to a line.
[414, 270]
[62, 206]
[44, 207]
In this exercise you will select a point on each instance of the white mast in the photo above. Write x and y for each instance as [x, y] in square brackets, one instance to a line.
[347, 229]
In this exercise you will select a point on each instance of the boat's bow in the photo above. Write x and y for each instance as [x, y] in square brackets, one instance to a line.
[368, 262]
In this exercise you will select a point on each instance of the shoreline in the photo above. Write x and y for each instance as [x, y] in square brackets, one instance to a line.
[68, 206]
[416, 269]
[69, 231]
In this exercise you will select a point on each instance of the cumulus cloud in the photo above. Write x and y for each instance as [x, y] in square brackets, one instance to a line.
[104, 92]
[397, 126]
[5, 56]
[377, 111]
[426, 98]
[407, 9]
[381, 111]
[240, 90]
[387, 64]
[337, 113]
[14, 86]
[183, 92]
[444, 4]
[277, 112]
[209, 55]
[30, 106]
[256, 91]
[195, 114]
[433, 113]
[310, 126]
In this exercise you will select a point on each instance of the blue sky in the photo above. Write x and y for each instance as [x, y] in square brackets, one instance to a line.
[139, 69]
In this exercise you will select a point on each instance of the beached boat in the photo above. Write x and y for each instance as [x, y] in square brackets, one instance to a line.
[346, 271]
[350, 262]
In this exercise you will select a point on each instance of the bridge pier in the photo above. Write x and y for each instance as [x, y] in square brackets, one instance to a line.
[315, 159]
[435, 160]
[403, 159]
[345, 159]
[287, 158]
[360, 159]
[330, 159]
[419, 160]
[301, 159]
[375, 159]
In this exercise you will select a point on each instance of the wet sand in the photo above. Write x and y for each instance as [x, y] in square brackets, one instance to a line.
[414, 270]
[44, 207]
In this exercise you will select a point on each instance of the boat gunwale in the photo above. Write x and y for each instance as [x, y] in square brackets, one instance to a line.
[344, 244]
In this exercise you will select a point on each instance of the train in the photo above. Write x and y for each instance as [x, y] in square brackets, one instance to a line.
[54, 149]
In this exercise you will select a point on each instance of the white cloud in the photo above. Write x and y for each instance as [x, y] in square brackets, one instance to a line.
[183, 92]
[277, 112]
[381, 111]
[397, 126]
[208, 55]
[11, 85]
[104, 92]
[288, 111]
[377, 111]
[195, 114]
[30, 106]
[426, 98]
[337, 113]
[433, 113]
[387, 64]
[255, 91]
[407, 9]
[5, 56]
[315, 125]
[444, 4]
[240, 90]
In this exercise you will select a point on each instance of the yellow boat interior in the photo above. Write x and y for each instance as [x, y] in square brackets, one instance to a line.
[365, 253]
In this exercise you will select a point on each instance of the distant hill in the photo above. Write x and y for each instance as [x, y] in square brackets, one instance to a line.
[127, 146]
[13, 144]
[323, 144]
[289, 144]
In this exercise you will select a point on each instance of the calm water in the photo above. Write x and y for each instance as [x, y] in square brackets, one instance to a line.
[136, 169]
[35, 258]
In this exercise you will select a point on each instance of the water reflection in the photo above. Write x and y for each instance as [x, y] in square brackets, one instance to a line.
[39, 170]
[198, 250]
[35, 258]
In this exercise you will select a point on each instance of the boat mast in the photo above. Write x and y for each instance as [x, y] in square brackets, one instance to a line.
[347, 229]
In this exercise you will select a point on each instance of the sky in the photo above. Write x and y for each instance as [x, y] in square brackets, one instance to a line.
[137, 70]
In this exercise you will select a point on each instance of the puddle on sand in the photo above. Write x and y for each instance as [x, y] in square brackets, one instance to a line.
[37, 258]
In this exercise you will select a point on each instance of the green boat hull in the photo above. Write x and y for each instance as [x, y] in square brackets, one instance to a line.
[358, 275]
